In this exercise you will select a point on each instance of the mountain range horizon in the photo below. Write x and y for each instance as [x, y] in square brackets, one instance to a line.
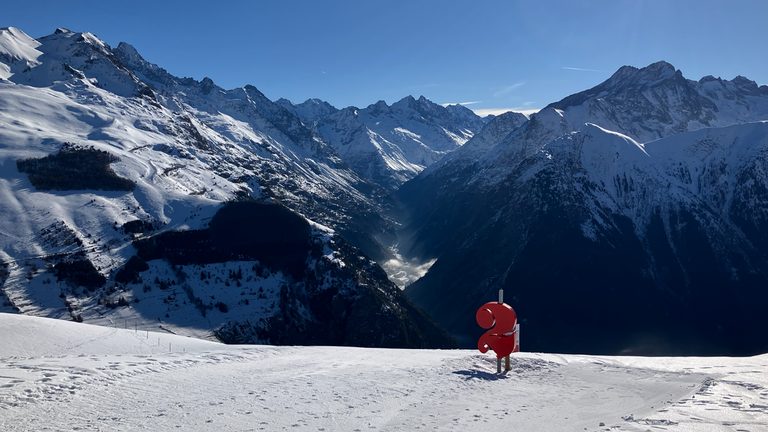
[612, 218]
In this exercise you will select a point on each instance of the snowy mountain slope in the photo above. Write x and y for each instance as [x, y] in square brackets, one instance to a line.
[317, 166]
[185, 148]
[311, 111]
[391, 144]
[371, 155]
[481, 143]
[598, 228]
[18, 52]
[61, 56]
[430, 198]
[80, 376]
[239, 134]
[657, 101]
[644, 104]
[296, 165]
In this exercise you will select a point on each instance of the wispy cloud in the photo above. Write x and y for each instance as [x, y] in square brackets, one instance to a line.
[509, 89]
[461, 103]
[581, 69]
[498, 111]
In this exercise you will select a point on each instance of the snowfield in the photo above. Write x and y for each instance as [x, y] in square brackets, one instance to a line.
[60, 375]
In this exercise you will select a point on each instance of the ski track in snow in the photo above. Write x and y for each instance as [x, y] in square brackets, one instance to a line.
[60, 375]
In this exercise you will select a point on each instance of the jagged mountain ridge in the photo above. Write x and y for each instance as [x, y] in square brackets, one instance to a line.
[310, 111]
[646, 110]
[186, 147]
[273, 151]
[589, 224]
[64, 54]
[657, 101]
[391, 144]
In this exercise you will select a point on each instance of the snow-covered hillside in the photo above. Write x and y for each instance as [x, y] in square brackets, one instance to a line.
[180, 149]
[185, 143]
[67, 376]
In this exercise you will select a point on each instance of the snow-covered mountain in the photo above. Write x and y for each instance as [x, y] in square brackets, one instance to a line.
[391, 144]
[99, 148]
[310, 111]
[612, 218]
[584, 217]
[255, 144]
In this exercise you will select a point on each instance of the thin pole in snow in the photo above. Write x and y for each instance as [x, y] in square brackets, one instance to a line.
[506, 358]
[169, 347]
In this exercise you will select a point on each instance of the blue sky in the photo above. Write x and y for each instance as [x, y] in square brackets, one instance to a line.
[497, 54]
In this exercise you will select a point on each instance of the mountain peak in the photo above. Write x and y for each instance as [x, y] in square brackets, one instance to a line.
[422, 105]
[129, 52]
[310, 111]
[631, 77]
[625, 79]
[314, 101]
[207, 85]
[15, 45]
[379, 108]
[749, 87]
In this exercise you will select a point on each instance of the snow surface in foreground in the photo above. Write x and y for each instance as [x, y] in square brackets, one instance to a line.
[60, 375]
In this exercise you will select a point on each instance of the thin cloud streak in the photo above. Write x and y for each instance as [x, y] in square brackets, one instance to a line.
[581, 69]
[498, 111]
[461, 103]
[509, 89]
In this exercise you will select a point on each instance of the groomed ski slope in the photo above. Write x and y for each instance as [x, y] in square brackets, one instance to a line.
[61, 375]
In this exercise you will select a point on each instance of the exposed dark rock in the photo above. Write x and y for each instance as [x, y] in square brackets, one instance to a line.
[349, 304]
[72, 168]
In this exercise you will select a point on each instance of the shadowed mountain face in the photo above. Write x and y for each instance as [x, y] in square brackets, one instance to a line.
[331, 294]
[601, 243]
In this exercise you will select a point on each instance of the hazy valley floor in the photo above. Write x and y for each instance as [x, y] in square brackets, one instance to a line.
[60, 375]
